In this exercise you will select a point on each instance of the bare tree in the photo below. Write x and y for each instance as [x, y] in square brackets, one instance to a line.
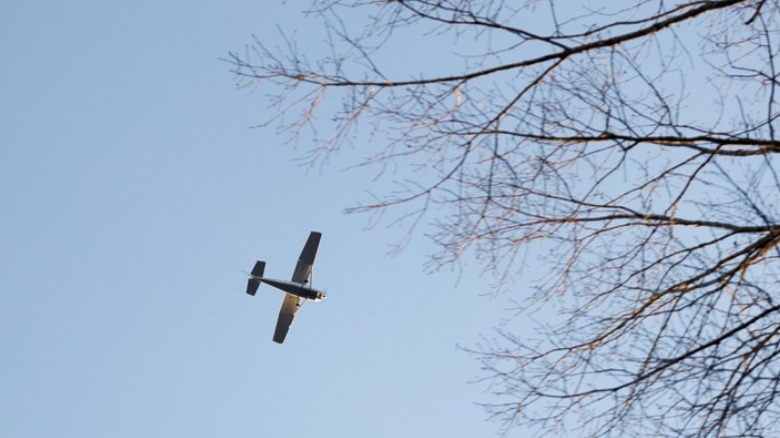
[630, 145]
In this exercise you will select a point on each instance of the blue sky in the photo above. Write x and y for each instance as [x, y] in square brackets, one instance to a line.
[133, 195]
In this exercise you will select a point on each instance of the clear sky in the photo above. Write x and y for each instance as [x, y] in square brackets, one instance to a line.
[133, 195]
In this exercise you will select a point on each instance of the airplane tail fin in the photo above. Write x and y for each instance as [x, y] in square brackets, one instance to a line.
[254, 283]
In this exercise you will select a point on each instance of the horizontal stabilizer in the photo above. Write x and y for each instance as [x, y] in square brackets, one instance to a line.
[252, 286]
[259, 269]
[257, 272]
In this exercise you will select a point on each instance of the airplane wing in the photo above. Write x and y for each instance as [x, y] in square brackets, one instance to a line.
[301, 275]
[306, 259]
[290, 306]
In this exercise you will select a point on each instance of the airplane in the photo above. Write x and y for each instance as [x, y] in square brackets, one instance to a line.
[297, 290]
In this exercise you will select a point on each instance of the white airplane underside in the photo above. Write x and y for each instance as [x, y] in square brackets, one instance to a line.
[297, 291]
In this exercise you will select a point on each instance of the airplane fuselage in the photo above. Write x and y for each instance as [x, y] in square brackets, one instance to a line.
[293, 288]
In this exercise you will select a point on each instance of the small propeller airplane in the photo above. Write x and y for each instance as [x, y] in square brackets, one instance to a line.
[298, 290]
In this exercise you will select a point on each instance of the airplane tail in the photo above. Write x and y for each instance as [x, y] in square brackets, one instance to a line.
[254, 283]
